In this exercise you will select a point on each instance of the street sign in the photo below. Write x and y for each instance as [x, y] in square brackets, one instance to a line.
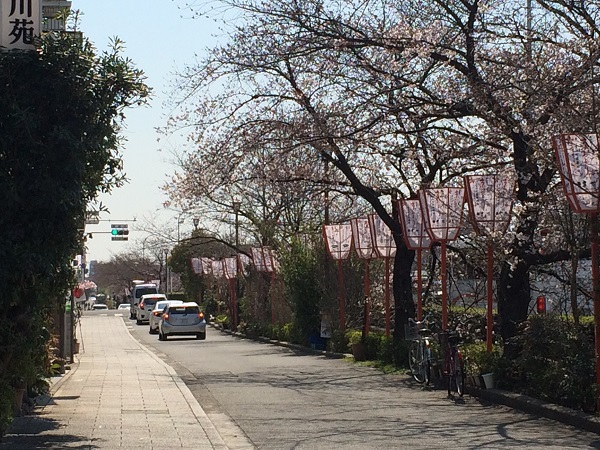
[92, 218]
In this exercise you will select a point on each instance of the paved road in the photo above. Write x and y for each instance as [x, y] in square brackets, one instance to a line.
[283, 399]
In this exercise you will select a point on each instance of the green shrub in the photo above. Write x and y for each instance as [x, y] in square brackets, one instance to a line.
[338, 342]
[478, 360]
[556, 362]
[352, 337]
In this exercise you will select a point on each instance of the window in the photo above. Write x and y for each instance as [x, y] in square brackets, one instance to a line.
[184, 310]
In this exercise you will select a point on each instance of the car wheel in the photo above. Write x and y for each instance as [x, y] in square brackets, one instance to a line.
[138, 322]
[201, 336]
[152, 331]
[161, 337]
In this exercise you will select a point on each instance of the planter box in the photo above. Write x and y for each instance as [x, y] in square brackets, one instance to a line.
[488, 380]
[359, 351]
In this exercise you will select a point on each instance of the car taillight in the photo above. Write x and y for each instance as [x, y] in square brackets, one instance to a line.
[165, 317]
[141, 305]
[156, 313]
[201, 315]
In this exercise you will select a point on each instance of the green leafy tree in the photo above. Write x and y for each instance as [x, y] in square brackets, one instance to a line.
[61, 110]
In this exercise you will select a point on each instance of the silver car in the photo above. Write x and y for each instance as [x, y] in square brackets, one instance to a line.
[146, 306]
[182, 320]
[157, 312]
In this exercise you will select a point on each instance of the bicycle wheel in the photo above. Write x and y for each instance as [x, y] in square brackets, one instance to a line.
[415, 361]
[450, 376]
[427, 367]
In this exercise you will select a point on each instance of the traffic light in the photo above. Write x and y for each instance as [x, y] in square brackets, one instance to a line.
[540, 304]
[119, 232]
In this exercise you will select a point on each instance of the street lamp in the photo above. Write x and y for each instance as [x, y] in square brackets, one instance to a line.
[490, 206]
[442, 210]
[579, 168]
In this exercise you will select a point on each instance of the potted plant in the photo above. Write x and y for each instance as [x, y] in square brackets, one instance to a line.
[481, 364]
[358, 345]
[20, 387]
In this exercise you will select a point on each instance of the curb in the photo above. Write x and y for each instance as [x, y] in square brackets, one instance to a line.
[57, 382]
[562, 414]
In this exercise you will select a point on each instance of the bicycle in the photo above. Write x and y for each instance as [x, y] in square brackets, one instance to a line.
[454, 365]
[419, 352]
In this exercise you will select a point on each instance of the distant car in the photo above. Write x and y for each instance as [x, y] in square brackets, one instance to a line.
[124, 306]
[145, 307]
[157, 313]
[185, 319]
[136, 293]
[99, 306]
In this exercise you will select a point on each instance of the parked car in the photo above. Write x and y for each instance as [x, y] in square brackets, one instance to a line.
[157, 313]
[146, 305]
[124, 306]
[185, 319]
[99, 306]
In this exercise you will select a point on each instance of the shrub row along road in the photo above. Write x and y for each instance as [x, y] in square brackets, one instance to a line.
[284, 399]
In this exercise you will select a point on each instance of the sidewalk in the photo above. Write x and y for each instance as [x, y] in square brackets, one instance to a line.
[117, 395]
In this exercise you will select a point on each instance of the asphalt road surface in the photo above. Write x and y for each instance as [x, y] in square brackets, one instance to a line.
[284, 399]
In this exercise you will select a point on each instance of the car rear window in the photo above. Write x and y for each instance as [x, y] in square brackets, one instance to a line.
[144, 291]
[184, 310]
[149, 302]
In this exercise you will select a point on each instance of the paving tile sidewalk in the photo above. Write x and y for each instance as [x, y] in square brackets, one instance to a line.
[117, 395]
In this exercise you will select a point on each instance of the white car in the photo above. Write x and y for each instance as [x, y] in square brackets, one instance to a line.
[99, 306]
[157, 312]
[124, 306]
[182, 320]
[146, 306]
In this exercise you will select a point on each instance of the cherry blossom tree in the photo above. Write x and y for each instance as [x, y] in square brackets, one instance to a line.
[393, 97]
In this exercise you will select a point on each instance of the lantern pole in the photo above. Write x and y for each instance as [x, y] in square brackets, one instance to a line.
[444, 289]
[367, 298]
[490, 281]
[596, 286]
[419, 287]
[341, 296]
[387, 297]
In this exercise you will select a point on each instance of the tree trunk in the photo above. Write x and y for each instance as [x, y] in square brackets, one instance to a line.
[513, 304]
[404, 304]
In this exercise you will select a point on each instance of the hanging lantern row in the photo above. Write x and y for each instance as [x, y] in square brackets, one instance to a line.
[435, 216]
[263, 259]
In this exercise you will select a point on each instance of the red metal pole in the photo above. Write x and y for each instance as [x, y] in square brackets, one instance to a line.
[234, 301]
[272, 292]
[280, 299]
[387, 297]
[596, 287]
[444, 289]
[341, 296]
[367, 298]
[419, 288]
[490, 275]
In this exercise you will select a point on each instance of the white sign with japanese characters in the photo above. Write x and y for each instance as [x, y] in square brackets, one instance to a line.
[21, 23]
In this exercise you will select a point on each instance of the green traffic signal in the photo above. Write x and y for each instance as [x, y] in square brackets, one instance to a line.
[114, 231]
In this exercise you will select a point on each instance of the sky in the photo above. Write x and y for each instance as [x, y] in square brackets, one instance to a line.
[159, 37]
